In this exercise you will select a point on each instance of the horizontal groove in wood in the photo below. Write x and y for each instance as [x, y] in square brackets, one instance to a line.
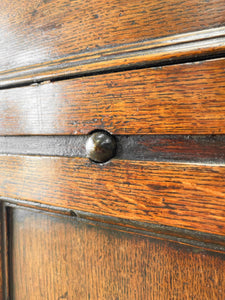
[180, 47]
[39, 31]
[188, 196]
[183, 148]
[178, 99]
[179, 235]
[4, 253]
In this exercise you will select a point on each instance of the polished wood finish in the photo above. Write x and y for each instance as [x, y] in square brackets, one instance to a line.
[39, 31]
[187, 196]
[178, 99]
[201, 240]
[61, 258]
[184, 148]
[148, 224]
[179, 48]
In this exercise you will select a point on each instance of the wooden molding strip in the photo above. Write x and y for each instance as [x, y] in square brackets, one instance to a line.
[177, 99]
[178, 148]
[177, 48]
[4, 259]
[183, 236]
[188, 196]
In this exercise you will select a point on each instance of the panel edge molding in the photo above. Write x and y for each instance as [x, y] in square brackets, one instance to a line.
[173, 49]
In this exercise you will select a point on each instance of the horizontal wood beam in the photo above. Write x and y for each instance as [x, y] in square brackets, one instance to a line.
[177, 99]
[178, 48]
[188, 196]
[43, 39]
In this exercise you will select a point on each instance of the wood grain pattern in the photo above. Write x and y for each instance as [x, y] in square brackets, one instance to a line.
[183, 148]
[178, 99]
[202, 240]
[178, 48]
[174, 194]
[60, 258]
[39, 31]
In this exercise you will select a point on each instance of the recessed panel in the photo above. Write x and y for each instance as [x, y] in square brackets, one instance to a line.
[56, 257]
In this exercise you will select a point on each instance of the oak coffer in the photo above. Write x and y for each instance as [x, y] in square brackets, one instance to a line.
[112, 150]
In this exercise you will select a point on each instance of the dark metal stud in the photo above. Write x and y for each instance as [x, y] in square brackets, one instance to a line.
[100, 146]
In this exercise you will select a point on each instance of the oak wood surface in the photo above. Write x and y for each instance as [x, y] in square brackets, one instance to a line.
[202, 240]
[51, 257]
[60, 258]
[187, 196]
[178, 99]
[38, 31]
[178, 48]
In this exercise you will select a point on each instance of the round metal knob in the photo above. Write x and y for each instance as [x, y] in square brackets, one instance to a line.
[100, 146]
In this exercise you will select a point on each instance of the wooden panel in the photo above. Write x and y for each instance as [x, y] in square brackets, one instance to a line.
[39, 30]
[180, 48]
[178, 99]
[173, 194]
[60, 258]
